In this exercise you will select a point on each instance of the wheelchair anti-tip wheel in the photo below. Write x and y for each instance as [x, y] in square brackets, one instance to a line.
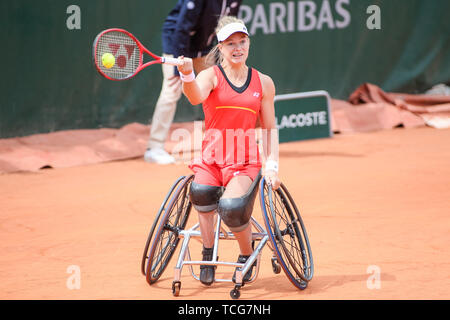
[163, 238]
[287, 234]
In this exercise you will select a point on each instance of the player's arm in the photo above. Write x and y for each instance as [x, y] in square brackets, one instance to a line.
[267, 119]
[196, 88]
[270, 131]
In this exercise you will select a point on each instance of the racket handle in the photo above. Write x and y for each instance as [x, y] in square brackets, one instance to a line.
[172, 61]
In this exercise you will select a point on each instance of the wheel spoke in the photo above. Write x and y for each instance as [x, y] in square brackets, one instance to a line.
[166, 238]
[291, 243]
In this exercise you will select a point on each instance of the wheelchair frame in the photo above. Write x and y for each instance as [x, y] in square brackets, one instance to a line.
[297, 264]
[184, 258]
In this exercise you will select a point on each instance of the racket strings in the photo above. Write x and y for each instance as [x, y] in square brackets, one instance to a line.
[125, 51]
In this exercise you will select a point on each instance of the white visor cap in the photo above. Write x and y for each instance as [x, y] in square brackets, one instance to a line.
[229, 29]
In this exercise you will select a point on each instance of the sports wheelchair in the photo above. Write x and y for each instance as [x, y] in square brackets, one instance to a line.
[284, 228]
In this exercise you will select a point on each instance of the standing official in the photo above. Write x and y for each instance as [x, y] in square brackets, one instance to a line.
[189, 30]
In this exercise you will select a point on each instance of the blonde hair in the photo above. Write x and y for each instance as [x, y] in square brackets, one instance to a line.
[214, 56]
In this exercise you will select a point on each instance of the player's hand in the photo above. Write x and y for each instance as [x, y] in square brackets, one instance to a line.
[187, 67]
[272, 179]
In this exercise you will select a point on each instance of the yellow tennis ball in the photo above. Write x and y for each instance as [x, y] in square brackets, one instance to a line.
[108, 60]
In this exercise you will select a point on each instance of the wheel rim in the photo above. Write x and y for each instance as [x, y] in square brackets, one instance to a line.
[287, 235]
[156, 223]
[166, 237]
[302, 236]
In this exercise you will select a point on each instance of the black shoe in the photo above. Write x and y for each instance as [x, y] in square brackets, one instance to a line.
[248, 275]
[207, 272]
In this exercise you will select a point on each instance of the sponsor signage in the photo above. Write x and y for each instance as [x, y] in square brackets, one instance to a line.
[303, 115]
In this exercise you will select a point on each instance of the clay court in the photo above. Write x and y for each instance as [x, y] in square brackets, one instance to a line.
[376, 201]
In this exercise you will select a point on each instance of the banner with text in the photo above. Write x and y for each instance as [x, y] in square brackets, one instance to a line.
[303, 115]
[49, 82]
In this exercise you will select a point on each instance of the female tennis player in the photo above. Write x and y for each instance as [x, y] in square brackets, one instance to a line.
[234, 96]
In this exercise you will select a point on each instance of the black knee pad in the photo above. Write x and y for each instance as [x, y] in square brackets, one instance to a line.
[205, 198]
[236, 212]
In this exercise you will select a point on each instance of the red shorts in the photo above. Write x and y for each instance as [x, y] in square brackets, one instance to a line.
[214, 175]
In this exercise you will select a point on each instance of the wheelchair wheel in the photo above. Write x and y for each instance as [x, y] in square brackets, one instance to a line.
[287, 234]
[156, 223]
[163, 239]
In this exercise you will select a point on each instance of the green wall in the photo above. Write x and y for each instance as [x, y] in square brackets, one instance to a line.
[48, 81]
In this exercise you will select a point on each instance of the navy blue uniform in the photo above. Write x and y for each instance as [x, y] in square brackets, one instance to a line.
[189, 28]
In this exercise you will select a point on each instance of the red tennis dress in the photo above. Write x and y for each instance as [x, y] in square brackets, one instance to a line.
[229, 145]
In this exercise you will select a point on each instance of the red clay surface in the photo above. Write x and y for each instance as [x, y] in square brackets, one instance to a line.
[370, 201]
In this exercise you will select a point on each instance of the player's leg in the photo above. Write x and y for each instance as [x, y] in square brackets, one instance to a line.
[205, 193]
[235, 208]
[206, 221]
[237, 187]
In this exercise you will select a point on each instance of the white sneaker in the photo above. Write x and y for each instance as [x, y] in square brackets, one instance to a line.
[158, 155]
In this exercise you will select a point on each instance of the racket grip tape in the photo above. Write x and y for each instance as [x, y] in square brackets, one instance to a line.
[171, 61]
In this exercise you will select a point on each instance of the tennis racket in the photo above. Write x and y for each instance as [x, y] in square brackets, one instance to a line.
[118, 55]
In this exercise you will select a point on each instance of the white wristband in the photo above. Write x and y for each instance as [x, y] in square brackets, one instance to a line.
[187, 78]
[271, 165]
